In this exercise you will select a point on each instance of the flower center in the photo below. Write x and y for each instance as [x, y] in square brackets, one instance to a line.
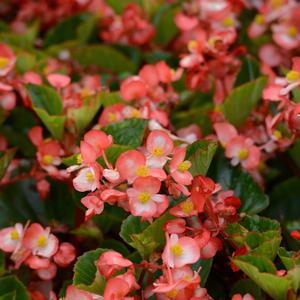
[177, 250]
[48, 159]
[85, 92]
[187, 207]
[135, 113]
[292, 31]
[3, 62]
[158, 151]
[183, 166]
[14, 235]
[277, 134]
[276, 3]
[243, 154]
[144, 197]
[259, 19]
[292, 76]
[112, 117]
[172, 294]
[192, 45]
[142, 171]
[41, 241]
[79, 159]
[89, 176]
[228, 22]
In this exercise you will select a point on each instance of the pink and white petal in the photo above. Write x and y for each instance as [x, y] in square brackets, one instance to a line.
[145, 210]
[147, 184]
[51, 248]
[158, 173]
[184, 178]
[225, 132]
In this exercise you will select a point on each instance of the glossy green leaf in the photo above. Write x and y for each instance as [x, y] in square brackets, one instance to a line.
[253, 200]
[143, 236]
[12, 285]
[205, 267]
[242, 100]
[258, 269]
[65, 30]
[294, 152]
[84, 115]
[85, 272]
[5, 160]
[129, 132]
[290, 259]
[104, 57]
[200, 154]
[250, 70]
[8, 296]
[110, 98]
[166, 28]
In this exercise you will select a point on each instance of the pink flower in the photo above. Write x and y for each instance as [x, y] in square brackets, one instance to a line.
[144, 199]
[184, 22]
[116, 289]
[133, 88]
[258, 26]
[179, 252]
[65, 254]
[11, 238]
[159, 145]
[111, 261]
[47, 273]
[74, 293]
[179, 167]
[184, 209]
[286, 36]
[36, 262]
[99, 140]
[88, 178]
[132, 164]
[240, 297]
[59, 80]
[225, 132]
[241, 150]
[40, 241]
[8, 100]
[7, 59]
[94, 205]
[292, 79]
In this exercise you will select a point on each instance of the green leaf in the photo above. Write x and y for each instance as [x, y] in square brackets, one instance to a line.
[245, 286]
[143, 236]
[118, 6]
[129, 132]
[85, 272]
[11, 285]
[110, 98]
[250, 70]
[105, 57]
[45, 98]
[71, 160]
[5, 160]
[2, 263]
[8, 296]
[294, 152]
[253, 200]
[205, 265]
[290, 259]
[296, 94]
[200, 154]
[258, 269]
[284, 200]
[259, 235]
[166, 28]
[242, 100]
[25, 61]
[113, 153]
[84, 115]
[65, 30]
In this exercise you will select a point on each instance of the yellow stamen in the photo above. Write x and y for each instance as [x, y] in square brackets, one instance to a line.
[243, 154]
[187, 207]
[292, 31]
[142, 171]
[89, 176]
[277, 134]
[14, 235]
[228, 22]
[158, 151]
[276, 3]
[144, 197]
[292, 76]
[183, 166]
[135, 113]
[112, 117]
[48, 159]
[259, 19]
[192, 45]
[85, 92]
[41, 241]
[3, 62]
[79, 159]
[177, 250]
[172, 294]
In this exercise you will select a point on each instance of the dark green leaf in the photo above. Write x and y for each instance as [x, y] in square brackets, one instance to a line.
[110, 98]
[8, 296]
[250, 70]
[5, 160]
[253, 200]
[85, 272]
[205, 267]
[245, 286]
[11, 285]
[242, 100]
[201, 154]
[129, 132]
[104, 57]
